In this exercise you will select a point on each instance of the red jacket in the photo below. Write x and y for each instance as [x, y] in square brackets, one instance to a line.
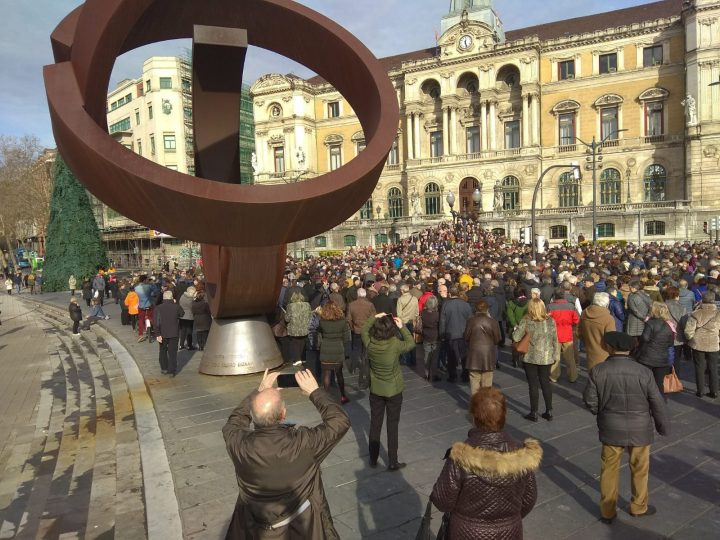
[423, 299]
[565, 316]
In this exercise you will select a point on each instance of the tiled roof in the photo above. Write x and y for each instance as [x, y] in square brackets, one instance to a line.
[393, 62]
[558, 29]
[600, 21]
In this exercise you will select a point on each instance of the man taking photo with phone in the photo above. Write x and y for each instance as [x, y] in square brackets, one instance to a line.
[278, 465]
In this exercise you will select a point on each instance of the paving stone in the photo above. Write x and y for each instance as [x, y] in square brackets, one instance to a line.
[369, 503]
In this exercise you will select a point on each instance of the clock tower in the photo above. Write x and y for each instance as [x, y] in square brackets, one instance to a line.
[480, 11]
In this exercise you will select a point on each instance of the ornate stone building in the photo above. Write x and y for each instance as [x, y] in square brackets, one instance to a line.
[487, 111]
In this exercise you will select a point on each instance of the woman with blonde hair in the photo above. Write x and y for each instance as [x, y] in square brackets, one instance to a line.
[656, 341]
[543, 348]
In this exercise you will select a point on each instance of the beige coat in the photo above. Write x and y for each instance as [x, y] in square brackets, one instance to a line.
[703, 329]
[594, 322]
[407, 308]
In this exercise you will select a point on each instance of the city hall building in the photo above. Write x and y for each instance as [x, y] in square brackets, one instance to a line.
[486, 112]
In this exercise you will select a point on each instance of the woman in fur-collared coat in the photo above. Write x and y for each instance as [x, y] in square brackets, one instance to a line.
[488, 482]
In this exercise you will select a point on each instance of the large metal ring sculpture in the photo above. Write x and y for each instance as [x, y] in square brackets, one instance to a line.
[243, 228]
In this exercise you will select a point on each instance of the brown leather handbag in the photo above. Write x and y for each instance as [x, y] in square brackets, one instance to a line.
[672, 384]
[522, 346]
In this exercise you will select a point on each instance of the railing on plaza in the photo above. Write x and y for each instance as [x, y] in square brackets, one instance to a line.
[520, 213]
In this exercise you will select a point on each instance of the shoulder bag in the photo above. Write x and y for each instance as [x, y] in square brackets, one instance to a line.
[671, 383]
[523, 346]
[418, 329]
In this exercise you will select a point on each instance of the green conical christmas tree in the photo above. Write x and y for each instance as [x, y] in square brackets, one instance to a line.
[73, 244]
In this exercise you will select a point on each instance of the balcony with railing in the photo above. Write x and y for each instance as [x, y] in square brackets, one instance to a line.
[474, 156]
[625, 143]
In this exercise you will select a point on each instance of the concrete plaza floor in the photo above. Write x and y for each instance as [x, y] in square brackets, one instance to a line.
[92, 468]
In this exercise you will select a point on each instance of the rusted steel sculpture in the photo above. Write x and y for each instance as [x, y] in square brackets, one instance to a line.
[244, 229]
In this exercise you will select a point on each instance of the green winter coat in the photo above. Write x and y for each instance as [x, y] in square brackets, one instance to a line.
[332, 345]
[516, 310]
[386, 378]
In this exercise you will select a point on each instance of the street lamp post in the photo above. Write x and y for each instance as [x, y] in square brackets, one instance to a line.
[476, 197]
[451, 202]
[534, 200]
[595, 148]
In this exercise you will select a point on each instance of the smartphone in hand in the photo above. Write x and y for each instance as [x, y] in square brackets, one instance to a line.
[287, 380]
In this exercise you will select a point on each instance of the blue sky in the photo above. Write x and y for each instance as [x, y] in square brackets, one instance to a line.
[386, 26]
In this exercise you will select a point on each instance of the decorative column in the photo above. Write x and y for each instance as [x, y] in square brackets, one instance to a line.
[416, 136]
[493, 127]
[409, 137]
[446, 130]
[525, 122]
[453, 131]
[535, 107]
[483, 127]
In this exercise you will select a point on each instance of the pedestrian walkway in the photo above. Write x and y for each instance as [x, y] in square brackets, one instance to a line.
[69, 458]
[371, 503]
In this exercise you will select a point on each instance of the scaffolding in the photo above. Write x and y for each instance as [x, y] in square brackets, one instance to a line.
[186, 92]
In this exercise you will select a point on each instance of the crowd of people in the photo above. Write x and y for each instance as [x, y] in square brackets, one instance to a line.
[169, 308]
[18, 281]
[449, 299]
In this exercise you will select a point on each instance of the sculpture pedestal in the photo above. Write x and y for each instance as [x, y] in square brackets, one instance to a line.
[240, 347]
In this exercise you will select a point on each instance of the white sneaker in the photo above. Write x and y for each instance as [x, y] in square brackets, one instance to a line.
[76, 335]
[107, 317]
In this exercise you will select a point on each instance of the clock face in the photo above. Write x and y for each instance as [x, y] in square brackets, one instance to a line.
[465, 42]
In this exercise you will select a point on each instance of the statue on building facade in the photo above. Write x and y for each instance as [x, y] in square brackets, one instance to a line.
[415, 200]
[498, 204]
[254, 163]
[690, 110]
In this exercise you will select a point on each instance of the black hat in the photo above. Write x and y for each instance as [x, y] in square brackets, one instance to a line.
[619, 341]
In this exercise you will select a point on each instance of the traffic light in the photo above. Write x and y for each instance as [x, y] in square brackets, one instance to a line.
[705, 227]
[522, 235]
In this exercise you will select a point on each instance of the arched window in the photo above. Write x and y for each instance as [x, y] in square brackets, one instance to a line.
[381, 239]
[610, 187]
[655, 183]
[606, 230]
[395, 203]
[366, 211]
[568, 190]
[431, 88]
[498, 232]
[321, 241]
[349, 240]
[467, 188]
[654, 228]
[432, 199]
[511, 193]
[558, 232]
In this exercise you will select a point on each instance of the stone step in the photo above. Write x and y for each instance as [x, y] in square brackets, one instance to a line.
[81, 475]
